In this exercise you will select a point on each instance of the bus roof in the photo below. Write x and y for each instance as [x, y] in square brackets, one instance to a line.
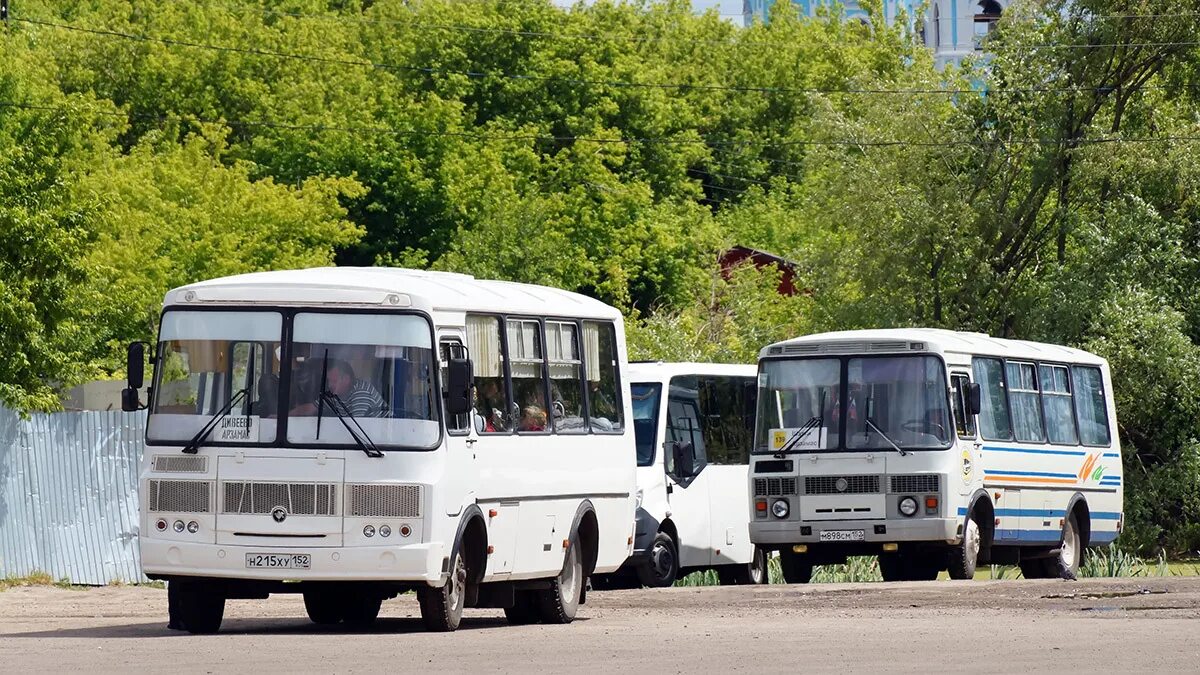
[389, 286]
[659, 371]
[936, 339]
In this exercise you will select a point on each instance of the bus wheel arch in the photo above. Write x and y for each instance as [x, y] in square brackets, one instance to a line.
[472, 542]
[981, 505]
[587, 530]
[974, 545]
[1083, 518]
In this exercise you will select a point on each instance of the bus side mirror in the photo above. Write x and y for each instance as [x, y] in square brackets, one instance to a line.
[684, 455]
[135, 364]
[458, 386]
[129, 400]
[974, 398]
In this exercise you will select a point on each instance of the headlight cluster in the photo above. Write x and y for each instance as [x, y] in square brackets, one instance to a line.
[179, 526]
[385, 530]
[780, 508]
[908, 506]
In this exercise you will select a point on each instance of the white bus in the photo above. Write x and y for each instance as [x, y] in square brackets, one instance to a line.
[351, 434]
[935, 450]
[693, 423]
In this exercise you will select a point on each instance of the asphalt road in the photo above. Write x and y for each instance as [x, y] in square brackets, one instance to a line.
[994, 626]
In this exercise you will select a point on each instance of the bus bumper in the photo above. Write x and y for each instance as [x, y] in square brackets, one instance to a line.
[930, 530]
[412, 562]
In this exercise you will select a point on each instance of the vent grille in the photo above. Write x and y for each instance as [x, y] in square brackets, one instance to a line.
[300, 499]
[384, 501]
[179, 496]
[925, 482]
[848, 347]
[828, 485]
[181, 463]
[773, 487]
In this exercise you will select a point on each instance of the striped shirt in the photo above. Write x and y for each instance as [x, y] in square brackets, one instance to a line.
[364, 401]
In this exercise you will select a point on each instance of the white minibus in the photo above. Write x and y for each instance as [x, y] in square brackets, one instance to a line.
[693, 423]
[354, 433]
[935, 450]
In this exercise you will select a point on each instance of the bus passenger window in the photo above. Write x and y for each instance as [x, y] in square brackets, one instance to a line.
[566, 388]
[1023, 395]
[1090, 406]
[1056, 404]
[994, 422]
[490, 395]
[604, 392]
[525, 362]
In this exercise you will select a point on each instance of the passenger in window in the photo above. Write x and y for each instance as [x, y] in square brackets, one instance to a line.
[533, 418]
[489, 404]
[360, 396]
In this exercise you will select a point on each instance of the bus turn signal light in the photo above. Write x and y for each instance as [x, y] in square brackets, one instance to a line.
[931, 502]
[761, 505]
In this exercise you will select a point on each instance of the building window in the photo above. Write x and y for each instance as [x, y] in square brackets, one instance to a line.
[986, 17]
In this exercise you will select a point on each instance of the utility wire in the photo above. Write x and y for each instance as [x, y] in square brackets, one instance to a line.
[577, 81]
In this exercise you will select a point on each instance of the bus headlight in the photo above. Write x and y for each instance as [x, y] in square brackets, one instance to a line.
[369, 531]
[779, 508]
[908, 506]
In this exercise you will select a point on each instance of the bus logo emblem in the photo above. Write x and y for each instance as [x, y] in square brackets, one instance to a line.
[841, 484]
[279, 514]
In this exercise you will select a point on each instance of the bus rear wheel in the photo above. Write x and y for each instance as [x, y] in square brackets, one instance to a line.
[560, 602]
[908, 567]
[323, 607]
[1065, 565]
[442, 608]
[752, 573]
[199, 607]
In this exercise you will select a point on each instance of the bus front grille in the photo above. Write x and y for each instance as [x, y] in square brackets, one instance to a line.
[179, 496]
[300, 499]
[917, 483]
[181, 463]
[773, 487]
[835, 485]
[384, 501]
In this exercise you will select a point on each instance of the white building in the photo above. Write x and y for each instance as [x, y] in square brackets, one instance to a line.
[952, 28]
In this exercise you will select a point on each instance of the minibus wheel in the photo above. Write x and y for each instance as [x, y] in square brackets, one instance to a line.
[662, 567]
[753, 572]
[965, 556]
[442, 608]
[199, 607]
[560, 602]
[323, 607]
[361, 610]
[795, 567]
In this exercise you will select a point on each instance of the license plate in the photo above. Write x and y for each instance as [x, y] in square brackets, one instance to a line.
[290, 561]
[842, 535]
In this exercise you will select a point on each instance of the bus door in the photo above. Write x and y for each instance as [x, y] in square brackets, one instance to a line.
[688, 486]
[462, 471]
[969, 444]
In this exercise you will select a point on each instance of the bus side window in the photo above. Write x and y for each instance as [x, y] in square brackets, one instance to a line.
[994, 423]
[490, 392]
[1056, 405]
[1090, 405]
[605, 410]
[963, 423]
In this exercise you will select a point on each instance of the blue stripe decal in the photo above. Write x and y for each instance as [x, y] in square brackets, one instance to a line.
[1048, 536]
[1103, 537]
[1041, 474]
[1112, 454]
[1069, 453]
[1045, 513]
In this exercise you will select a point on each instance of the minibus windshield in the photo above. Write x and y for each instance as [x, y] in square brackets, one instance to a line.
[852, 403]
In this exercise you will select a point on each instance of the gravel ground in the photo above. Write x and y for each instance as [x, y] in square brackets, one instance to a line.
[1139, 625]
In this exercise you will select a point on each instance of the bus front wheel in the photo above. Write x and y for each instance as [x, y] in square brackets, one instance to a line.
[662, 566]
[752, 573]
[795, 567]
[199, 607]
[442, 608]
[965, 556]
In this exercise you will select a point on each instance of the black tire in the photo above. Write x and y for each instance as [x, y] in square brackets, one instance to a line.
[795, 567]
[963, 558]
[662, 568]
[525, 609]
[361, 610]
[198, 607]
[442, 608]
[323, 607]
[1064, 565]
[892, 567]
[752, 573]
[909, 567]
[560, 603]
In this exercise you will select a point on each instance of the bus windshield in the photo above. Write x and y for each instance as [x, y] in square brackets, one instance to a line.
[380, 368]
[853, 403]
[645, 420]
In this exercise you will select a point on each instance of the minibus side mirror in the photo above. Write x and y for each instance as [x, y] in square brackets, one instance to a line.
[129, 400]
[974, 398]
[458, 386]
[135, 364]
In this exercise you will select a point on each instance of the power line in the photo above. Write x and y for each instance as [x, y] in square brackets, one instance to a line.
[428, 70]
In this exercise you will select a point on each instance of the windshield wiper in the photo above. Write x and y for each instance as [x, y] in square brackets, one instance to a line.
[194, 444]
[871, 423]
[339, 408]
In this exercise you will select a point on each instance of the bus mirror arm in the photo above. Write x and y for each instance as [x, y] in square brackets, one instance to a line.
[974, 398]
